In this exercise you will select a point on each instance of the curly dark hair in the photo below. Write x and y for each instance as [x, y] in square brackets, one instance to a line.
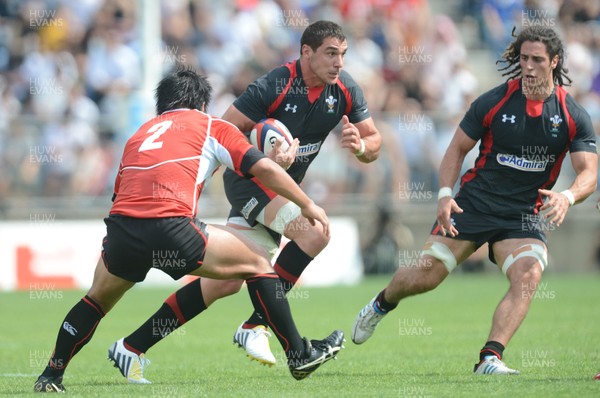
[551, 41]
[183, 88]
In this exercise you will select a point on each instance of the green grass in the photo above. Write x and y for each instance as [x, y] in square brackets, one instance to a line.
[426, 348]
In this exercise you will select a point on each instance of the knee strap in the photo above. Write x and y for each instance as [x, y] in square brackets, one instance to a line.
[441, 252]
[530, 250]
[285, 215]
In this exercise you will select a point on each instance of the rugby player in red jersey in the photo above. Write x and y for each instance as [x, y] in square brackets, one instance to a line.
[152, 224]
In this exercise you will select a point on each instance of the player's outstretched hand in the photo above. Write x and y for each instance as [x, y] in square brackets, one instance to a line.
[350, 136]
[284, 158]
[555, 206]
[314, 213]
[447, 206]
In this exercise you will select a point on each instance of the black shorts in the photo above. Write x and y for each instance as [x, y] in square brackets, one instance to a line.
[247, 199]
[481, 228]
[174, 245]
[246, 196]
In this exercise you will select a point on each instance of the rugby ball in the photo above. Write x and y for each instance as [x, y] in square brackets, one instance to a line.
[264, 134]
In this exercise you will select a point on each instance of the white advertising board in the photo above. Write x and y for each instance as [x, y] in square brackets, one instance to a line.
[48, 254]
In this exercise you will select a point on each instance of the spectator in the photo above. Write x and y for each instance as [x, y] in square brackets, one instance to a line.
[83, 59]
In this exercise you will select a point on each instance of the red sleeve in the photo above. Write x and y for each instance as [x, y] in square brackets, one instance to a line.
[118, 179]
[233, 140]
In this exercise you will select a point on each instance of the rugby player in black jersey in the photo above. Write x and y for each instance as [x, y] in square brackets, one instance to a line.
[310, 95]
[524, 127]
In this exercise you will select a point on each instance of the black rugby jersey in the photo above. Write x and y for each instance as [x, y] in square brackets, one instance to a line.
[523, 144]
[309, 114]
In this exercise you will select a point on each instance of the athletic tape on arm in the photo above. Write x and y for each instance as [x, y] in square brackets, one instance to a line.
[441, 252]
[530, 250]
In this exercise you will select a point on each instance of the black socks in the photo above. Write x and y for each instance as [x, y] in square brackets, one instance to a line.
[383, 306]
[77, 329]
[179, 308]
[290, 264]
[268, 297]
[491, 348]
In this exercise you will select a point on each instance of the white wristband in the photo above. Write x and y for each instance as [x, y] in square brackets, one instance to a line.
[361, 151]
[444, 191]
[570, 196]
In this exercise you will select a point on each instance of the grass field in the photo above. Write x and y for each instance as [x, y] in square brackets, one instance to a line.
[426, 348]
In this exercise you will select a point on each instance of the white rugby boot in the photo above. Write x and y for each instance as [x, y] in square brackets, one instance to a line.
[491, 365]
[255, 342]
[129, 363]
[366, 322]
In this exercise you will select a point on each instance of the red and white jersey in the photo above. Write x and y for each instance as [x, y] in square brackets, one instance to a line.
[167, 161]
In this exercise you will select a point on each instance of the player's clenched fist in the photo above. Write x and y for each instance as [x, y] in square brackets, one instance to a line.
[351, 137]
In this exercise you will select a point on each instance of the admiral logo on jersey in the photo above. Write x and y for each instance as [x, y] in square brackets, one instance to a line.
[308, 149]
[520, 163]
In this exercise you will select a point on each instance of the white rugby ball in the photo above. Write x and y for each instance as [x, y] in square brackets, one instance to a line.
[264, 134]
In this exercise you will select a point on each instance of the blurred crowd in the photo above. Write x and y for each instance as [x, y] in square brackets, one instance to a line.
[70, 78]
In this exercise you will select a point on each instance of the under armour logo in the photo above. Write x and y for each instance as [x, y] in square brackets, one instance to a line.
[69, 328]
[289, 107]
[505, 118]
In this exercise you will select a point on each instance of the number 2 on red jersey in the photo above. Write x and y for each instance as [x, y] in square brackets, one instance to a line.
[156, 130]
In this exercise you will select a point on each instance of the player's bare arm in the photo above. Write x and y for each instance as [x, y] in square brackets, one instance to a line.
[362, 139]
[237, 118]
[557, 204]
[450, 167]
[277, 180]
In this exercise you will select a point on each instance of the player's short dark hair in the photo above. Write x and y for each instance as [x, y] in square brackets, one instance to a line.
[183, 88]
[551, 41]
[317, 32]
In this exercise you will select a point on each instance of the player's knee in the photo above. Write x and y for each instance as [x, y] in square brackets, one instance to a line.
[318, 238]
[527, 274]
[311, 238]
[105, 303]
[427, 277]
